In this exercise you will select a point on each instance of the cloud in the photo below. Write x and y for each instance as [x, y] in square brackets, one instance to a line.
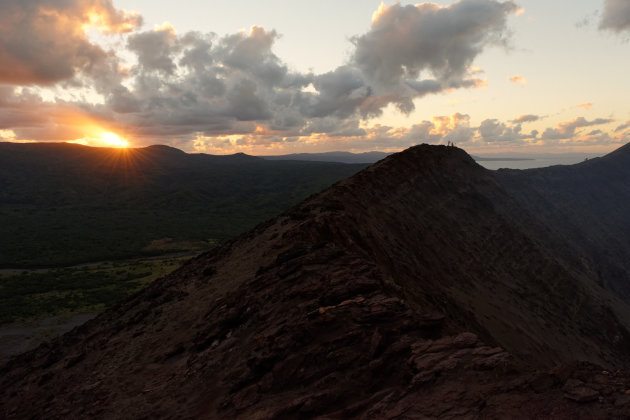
[233, 93]
[180, 86]
[411, 51]
[331, 127]
[245, 104]
[518, 79]
[44, 41]
[28, 117]
[177, 87]
[567, 129]
[340, 92]
[585, 105]
[378, 137]
[155, 49]
[526, 118]
[622, 127]
[455, 128]
[7, 135]
[226, 93]
[494, 131]
[195, 83]
[616, 16]
[490, 134]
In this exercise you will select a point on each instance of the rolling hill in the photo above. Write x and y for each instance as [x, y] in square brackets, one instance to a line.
[63, 203]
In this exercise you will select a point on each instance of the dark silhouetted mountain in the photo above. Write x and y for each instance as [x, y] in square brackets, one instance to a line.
[341, 157]
[422, 287]
[66, 203]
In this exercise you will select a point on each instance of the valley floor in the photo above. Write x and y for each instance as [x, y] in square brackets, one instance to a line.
[66, 297]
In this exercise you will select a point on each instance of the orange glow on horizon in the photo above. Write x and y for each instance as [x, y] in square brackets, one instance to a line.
[103, 139]
[110, 139]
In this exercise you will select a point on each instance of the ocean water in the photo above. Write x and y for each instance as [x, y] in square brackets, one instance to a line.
[538, 162]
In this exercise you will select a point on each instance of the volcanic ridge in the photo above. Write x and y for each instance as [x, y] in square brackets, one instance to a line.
[425, 286]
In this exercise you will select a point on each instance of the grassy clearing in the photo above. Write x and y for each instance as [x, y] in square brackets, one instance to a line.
[37, 293]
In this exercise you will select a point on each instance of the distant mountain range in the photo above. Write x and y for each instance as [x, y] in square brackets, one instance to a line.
[366, 157]
[502, 159]
[424, 286]
[372, 157]
[65, 203]
[341, 157]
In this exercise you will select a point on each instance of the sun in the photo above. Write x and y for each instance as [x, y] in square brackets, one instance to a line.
[113, 140]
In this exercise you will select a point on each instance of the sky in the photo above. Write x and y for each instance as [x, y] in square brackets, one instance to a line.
[282, 76]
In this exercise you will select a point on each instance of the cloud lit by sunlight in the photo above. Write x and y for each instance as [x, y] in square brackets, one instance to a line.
[380, 11]
[104, 20]
[63, 78]
[7, 135]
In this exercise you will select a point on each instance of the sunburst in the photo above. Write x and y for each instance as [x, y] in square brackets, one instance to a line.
[110, 139]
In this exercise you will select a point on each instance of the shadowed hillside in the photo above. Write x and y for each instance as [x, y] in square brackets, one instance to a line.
[584, 207]
[413, 288]
[63, 204]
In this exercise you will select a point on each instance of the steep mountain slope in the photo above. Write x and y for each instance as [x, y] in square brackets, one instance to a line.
[410, 289]
[585, 206]
[63, 203]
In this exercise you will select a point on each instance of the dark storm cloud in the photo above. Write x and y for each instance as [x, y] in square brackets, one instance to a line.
[616, 16]
[43, 41]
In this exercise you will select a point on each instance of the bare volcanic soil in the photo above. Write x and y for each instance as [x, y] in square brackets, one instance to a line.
[419, 288]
